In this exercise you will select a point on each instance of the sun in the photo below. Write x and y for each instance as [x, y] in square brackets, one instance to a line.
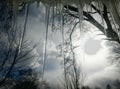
[92, 46]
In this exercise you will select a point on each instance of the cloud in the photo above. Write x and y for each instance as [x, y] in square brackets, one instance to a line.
[36, 33]
[97, 62]
[106, 76]
[54, 77]
[52, 61]
[95, 67]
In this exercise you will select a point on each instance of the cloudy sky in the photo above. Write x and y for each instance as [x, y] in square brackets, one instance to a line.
[92, 53]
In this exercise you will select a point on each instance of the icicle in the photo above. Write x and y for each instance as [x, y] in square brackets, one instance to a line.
[88, 5]
[15, 11]
[62, 31]
[25, 25]
[103, 24]
[114, 12]
[80, 13]
[5, 17]
[102, 18]
[115, 15]
[62, 34]
[38, 3]
[46, 38]
[53, 17]
[80, 10]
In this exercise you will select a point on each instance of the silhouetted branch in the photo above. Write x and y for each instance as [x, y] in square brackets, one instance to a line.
[109, 32]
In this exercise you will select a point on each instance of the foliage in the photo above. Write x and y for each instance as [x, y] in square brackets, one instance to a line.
[16, 53]
[26, 83]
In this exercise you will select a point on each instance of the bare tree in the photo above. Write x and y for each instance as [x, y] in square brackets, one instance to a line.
[110, 31]
[15, 50]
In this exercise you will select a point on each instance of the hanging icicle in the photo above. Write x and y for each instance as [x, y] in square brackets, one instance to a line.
[53, 13]
[15, 4]
[115, 15]
[46, 39]
[24, 28]
[80, 14]
[62, 34]
[101, 7]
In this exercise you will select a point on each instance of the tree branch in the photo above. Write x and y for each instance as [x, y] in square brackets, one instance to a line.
[89, 18]
[110, 32]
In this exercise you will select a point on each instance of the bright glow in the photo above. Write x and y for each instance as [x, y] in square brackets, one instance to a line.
[92, 52]
[92, 46]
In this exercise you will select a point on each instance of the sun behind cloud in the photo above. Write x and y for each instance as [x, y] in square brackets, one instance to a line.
[92, 46]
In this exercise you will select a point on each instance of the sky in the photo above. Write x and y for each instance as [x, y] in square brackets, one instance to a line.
[92, 54]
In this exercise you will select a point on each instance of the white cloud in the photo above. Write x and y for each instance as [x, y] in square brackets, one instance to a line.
[106, 76]
[51, 46]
